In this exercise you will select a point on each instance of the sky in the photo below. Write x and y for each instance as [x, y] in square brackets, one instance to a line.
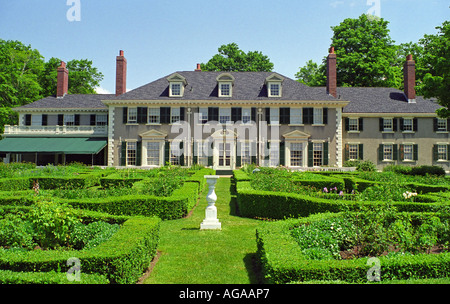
[160, 37]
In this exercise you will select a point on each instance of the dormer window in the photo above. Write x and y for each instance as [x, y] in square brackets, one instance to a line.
[274, 85]
[225, 83]
[176, 85]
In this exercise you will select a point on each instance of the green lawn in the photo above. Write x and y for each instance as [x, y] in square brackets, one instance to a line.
[192, 256]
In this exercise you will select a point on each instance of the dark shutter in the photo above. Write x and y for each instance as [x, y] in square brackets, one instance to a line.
[166, 152]
[142, 115]
[194, 153]
[253, 114]
[448, 124]
[28, 119]
[415, 124]
[282, 153]
[394, 152]
[435, 124]
[182, 113]
[238, 154]
[325, 116]
[267, 113]
[346, 152]
[381, 124]
[401, 124]
[402, 152]
[416, 152]
[380, 152]
[448, 152]
[44, 119]
[125, 115]
[435, 153]
[285, 116]
[60, 119]
[236, 114]
[164, 115]
[347, 124]
[361, 151]
[123, 154]
[360, 124]
[308, 116]
[139, 153]
[325, 154]
[93, 120]
[394, 124]
[213, 114]
[310, 154]
[77, 119]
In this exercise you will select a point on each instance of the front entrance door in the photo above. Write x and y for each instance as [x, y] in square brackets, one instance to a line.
[225, 155]
[224, 151]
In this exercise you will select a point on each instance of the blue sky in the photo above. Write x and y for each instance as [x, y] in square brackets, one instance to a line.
[160, 37]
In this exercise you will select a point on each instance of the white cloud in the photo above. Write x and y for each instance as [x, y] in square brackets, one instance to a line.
[101, 90]
[336, 3]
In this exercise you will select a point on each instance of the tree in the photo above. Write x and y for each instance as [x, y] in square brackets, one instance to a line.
[312, 74]
[232, 59]
[83, 77]
[366, 55]
[436, 59]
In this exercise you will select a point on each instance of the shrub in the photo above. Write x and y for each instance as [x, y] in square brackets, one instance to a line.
[92, 234]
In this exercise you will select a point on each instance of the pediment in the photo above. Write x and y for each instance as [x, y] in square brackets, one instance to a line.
[153, 134]
[224, 133]
[296, 134]
[225, 77]
[275, 78]
[176, 77]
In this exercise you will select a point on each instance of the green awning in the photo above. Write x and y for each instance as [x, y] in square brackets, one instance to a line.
[72, 145]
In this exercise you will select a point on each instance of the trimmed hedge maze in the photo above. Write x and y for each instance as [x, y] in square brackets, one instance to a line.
[324, 227]
[48, 215]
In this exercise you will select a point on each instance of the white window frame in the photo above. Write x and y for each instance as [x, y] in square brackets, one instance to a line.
[317, 154]
[246, 115]
[225, 92]
[153, 116]
[318, 116]
[388, 152]
[442, 125]
[131, 153]
[101, 119]
[69, 119]
[176, 89]
[296, 116]
[202, 115]
[442, 152]
[353, 150]
[132, 115]
[388, 124]
[154, 157]
[246, 153]
[353, 124]
[274, 116]
[274, 89]
[408, 125]
[300, 157]
[36, 120]
[175, 115]
[224, 115]
[408, 155]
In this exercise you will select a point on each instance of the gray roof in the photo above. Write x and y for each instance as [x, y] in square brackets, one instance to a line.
[70, 101]
[203, 86]
[383, 100]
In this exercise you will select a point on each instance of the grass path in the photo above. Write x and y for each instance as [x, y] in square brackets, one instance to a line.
[192, 256]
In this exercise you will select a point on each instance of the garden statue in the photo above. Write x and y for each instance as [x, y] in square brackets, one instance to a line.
[211, 221]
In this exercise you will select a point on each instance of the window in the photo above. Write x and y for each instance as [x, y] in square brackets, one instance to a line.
[274, 154]
[274, 116]
[101, 119]
[153, 153]
[274, 90]
[408, 152]
[175, 153]
[353, 151]
[153, 115]
[203, 115]
[225, 90]
[36, 120]
[388, 152]
[296, 154]
[175, 115]
[353, 124]
[246, 158]
[442, 152]
[318, 116]
[296, 116]
[132, 115]
[246, 115]
[224, 115]
[175, 89]
[69, 119]
[202, 153]
[441, 125]
[388, 125]
[407, 124]
[317, 154]
[131, 153]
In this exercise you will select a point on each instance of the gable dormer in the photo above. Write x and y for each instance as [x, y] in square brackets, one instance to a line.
[177, 83]
[274, 84]
[225, 82]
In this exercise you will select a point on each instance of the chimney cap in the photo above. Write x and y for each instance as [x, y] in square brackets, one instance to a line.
[121, 53]
[332, 50]
[198, 69]
[63, 64]
[409, 57]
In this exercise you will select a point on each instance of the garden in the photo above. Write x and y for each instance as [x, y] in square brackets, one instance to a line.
[348, 227]
[56, 219]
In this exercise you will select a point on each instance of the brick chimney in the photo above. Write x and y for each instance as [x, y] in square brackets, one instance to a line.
[331, 73]
[198, 69]
[62, 84]
[409, 74]
[121, 74]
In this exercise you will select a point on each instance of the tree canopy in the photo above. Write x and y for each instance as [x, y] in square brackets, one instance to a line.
[232, 59]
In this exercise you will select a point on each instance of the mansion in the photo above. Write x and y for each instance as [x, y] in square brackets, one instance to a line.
[226, 120]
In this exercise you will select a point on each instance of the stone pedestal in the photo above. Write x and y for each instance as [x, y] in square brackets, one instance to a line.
[211, 222]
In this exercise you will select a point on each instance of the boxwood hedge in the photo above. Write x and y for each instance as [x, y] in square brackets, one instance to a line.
[283, 262]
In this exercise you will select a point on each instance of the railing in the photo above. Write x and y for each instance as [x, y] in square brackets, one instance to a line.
[56, 130]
